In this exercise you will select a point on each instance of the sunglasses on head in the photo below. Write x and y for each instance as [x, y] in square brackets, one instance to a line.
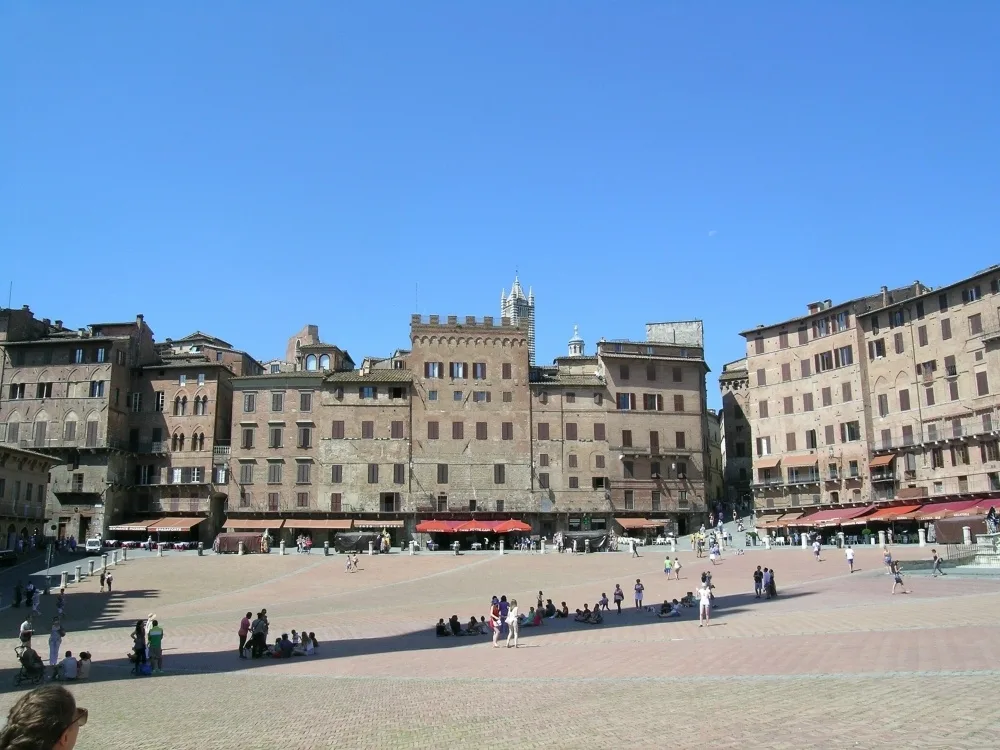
[79, 718]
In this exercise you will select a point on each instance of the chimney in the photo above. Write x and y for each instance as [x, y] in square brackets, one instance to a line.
[26, 308]
[827, 304]
[917, 288]
[46, 322]
[59, 324]
[138, 320]
[885, 296]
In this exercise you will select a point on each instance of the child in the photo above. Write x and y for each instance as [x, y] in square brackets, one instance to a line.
[604, 601]
[897, 578]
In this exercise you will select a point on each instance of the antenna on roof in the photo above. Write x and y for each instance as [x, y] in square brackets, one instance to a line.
[10, 294]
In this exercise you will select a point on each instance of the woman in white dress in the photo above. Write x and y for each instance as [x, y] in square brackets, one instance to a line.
[513, 623]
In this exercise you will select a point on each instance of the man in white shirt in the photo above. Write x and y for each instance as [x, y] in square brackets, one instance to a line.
[849, 553]
[705, 608]
[68, 667]
[816, 549]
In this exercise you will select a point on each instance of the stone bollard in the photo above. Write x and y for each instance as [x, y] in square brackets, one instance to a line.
[371, 547]
[201, 549]
[124, 554]
[922, 537]
[159, 550]
[90, 567]
[242, 549]
[413, 547]
[541, 547]
[586, 545]
[840, 539]
[767, 542]
[805, 542]
[281, 547]
[673, 544]
[105, 560]
[64, 579]
[114, 557]
[79, 573]
[967, 536]
[501, 546]
[881, 539]
[326, 549]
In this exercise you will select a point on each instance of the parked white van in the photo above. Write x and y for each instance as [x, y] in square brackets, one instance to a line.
[94, 547]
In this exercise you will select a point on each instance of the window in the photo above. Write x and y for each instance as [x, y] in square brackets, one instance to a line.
[807, 402]
[96, 389]
[904, 399]
[399, 473]
[599, 431]
[790, 441]
[336, 474]
[543, 481]
[626, 438]
[897, 340]
[811, 443]
[763, 446]
[937, 458]
[783, 340]
[458, 370]
[570, 431]
[337, 431]
[505, 371]
[572, 461]
[302, 499]
[368, 393]
[758, 345]
[762, 408]
[623, 372]
[922, 336]
[679, 439]
[929, 395]
[305, 401]
[274, 472]
[273, 501]
[481, 397]
[953, 390]
[457, 430]
[806, 367]
[821, 328]
[432, 395]
[852, 469]
[69, 431]
[78, 356]
[396, 430]
[628, 467]
[824, 361]
[507, 430]
[482, 431]
[626, 401]
[844, 356]
[875, 327]
[433, 369]
[274, 437]
[989, 451]
[971, 294]
[303, 473]
[629, 500]
[247, 441]
[883, 405]
[652, 402]
[246, 473]
[789, 405]
[372, 473]
[442, 473]
[845, 390]
[367, 430]
[432, 430]
[786, 372]
[850, 431]
[975, 324]
[543, 459]
[543, 397]
[457, 395]
[876, 349]
[761, 376]
[499, 474]
[946, 329]
[249, 403]
[828, 434]
[570, 398]
[182, 380]
[44, 390]
[959, 455]
[543, 430]
[479, 371]
[982, 383]
[305, 437]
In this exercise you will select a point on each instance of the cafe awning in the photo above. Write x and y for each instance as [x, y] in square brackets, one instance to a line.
[134, 526]
[476, 527]
[175, 525]
[638, 523]
[798, 462]
[506, 527]
[892, 514]
[337, 524]
[937, 511]
[254, 524]
[766, 520]
[437, 527]
[879, 461]
[833, 516]
[394, 523]
[767, 462]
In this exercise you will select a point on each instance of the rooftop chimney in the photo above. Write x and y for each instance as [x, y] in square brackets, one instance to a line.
[26, 308]
[917, 288]
[885, 296]
[58, 324]
[46, 322]
[138, 320]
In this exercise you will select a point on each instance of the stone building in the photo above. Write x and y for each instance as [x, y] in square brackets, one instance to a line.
[737, 440]
[880, 399]
[714, 480]
[24, 480]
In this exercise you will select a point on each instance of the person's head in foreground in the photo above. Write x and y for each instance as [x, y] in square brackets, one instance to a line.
[47, 718]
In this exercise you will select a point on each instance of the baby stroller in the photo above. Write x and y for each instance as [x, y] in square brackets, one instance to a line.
[140, 667]
[32, 670]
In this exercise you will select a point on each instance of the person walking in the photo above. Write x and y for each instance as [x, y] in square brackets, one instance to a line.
[154, 636]
[668, 566]
[897, 578]
[849, 554]
[817, 547]
[109, 580]
[936, 566]
[632, 546]
[677, 569]
[639, 588]
[495, 623]
[55, 641]
[887, 560]
[758, 583]
[242, 633]
[619, 597]
[104, 580]
[504, 611]
[513, 624]
[704, 605]
[767, 583]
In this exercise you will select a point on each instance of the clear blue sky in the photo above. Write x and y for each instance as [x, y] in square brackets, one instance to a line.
[245, 168]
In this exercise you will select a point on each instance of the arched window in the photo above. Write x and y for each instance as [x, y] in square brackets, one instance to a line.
[324, 362]
[201, 441]
[311, 362]
[180, 442]
[177, 406]
[173, 442]
[184, 405]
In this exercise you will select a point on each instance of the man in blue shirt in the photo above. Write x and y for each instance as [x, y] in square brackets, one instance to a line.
[504, 609]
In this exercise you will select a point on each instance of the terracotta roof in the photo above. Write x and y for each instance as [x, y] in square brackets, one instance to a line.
[374, 376]
[577, 380]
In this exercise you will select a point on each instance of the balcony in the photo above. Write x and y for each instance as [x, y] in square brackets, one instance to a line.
[11, 509]
[883, 476]
[803, 477]
[151, 447]
[769, 482]
[989, 333]
[221, 448]
[55, 444]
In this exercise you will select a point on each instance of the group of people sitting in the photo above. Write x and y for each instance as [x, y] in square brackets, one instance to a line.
[591, 616]
[454, 627]
[300, 644]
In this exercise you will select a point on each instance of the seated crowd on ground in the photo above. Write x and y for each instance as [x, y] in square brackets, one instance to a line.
[300, 644]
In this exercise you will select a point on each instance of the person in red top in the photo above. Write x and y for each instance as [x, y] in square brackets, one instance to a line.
[495, 620]
[243, 633]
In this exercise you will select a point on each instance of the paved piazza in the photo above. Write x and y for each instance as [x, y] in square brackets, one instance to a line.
[835, 661]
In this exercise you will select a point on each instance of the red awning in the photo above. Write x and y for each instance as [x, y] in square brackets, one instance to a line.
[833, 516]
[981, 508]
[476, 527]
[505, 527]
[880, 461]
[166, 525]
[937, 511]
[892, 514]
[437, 527]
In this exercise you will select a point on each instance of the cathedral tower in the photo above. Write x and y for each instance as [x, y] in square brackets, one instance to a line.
[520, 309]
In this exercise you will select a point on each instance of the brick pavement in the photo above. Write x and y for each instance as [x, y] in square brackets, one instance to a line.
[835, 661]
